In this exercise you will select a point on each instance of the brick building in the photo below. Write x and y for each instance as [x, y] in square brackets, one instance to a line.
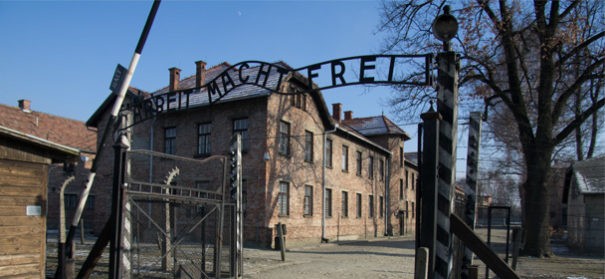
[324, 175]
[62, 131]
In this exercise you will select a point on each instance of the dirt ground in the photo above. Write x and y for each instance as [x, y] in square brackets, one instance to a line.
[379, 258]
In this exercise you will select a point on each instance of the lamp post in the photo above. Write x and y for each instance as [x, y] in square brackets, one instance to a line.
[444, 29]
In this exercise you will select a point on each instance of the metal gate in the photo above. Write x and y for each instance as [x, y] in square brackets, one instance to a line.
[177, 216]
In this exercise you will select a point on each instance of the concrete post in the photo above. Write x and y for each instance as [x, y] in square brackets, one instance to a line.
[422, 268]
[472, 169]
[430, 158]
[447, 106]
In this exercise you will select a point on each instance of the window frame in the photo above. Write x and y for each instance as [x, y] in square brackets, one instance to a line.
[308, 201]
[204, 145]
[170, 140]
[371, 206]
[244, 132]
[328, 203]
[283, 199]
[359, 162]
[308, 146]
[401, 189]
[345, 158]
[371, 167]
[283, 142]
[380, 206]
[359, 205]
[381, 170]
[344, 203]
[329, 146]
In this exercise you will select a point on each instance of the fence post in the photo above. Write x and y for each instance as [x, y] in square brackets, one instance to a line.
[282, 243]
[430, 154]
[516, 246]
[472, 169]
[447, 106]
[422, 261]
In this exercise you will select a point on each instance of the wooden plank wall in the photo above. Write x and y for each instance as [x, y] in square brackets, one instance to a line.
[22, 237]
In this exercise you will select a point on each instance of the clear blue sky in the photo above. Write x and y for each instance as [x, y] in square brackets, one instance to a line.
[61, 54]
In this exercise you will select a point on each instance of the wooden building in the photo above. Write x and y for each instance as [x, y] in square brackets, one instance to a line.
[24, 166]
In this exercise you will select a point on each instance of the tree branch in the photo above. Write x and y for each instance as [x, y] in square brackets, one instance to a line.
[578, 48]
[578, 121]
[586, 75]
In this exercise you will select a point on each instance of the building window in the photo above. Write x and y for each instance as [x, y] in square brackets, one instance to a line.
[406, 210]
[359, 163]
[413, 209]
[308, 147]
[284, 138]
[380, 206]
[407, 179]
[283, 199]
[345, 204]
[170, 140]
[401, 188]
[240, 126]
[328, 203]
[345, 158]
[371, 206]
[308, 202]
[371, 167]
[329, 153]
[203, 138]
[401, 159]
[413, 181]
[298, 99]
[358, 203]
[381, 169]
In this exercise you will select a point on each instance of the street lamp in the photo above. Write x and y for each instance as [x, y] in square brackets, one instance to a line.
[445, 27]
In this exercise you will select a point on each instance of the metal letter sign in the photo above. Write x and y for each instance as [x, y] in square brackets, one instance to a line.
[118, 78]
[356, 70]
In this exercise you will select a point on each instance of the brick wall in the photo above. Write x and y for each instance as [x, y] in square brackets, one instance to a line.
[262, 177]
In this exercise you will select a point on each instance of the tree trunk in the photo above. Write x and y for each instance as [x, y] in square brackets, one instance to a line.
[537, 202]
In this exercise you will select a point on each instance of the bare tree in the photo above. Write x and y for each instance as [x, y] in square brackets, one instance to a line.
[520, 54]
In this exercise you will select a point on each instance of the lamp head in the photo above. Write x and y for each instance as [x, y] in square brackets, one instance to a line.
[445, 27]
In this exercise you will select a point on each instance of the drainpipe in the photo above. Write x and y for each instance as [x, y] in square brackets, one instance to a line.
[387, 197]
[323, 184]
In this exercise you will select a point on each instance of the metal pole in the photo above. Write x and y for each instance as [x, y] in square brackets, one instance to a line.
[489, 235]
[447, 106]
[116, 209]
[418, 189]
[112, 121]
[472, 169]
[507, 232]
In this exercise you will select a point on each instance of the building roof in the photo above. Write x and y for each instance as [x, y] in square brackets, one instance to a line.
[51, 128]
[375, 125]
[200, 98]
[57, 152]
[589, 175]
[94, 119]
[411, 158]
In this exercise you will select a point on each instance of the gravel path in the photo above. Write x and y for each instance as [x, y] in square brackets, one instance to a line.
[385, 258]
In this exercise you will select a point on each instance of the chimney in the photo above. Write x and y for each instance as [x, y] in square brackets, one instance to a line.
[25, 105]
[175, 77]
[348, 115]
[336, 110]
[200, 73]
